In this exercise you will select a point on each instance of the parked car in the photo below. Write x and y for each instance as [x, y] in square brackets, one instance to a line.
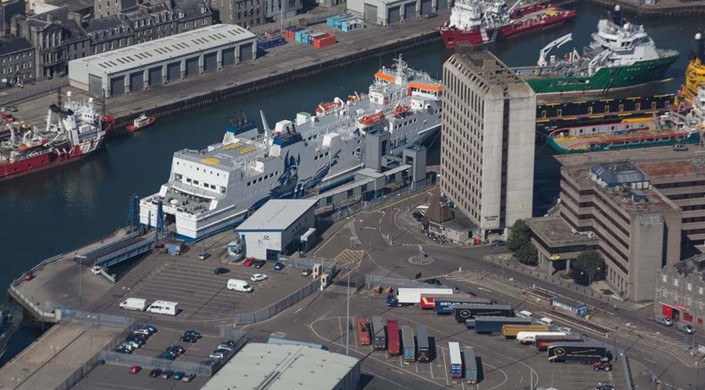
[122, 349]
[680, 147]
[498, 243]
[306, 272]
[178, 375]
[192, 333]
[229, 343]
[249, 261]
[133, 344]
[434, 282]
[430, 15]
[203, 255]
[417, 215]
[149, 328]
[142, 338]
[166, 374]
[223, 346]
[179, 350]
[258, 277]
[127, 346]
[222, 350]
[167, 355]
[141, 331]
[259, 264]
[216, 355]
[189, 377]
[221, 270]
[188, 339]
[134, 369]
[278, 266]
[602, 386]
[685, 328]
[155, 373]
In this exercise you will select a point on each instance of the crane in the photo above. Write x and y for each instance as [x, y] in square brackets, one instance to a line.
[557, 43]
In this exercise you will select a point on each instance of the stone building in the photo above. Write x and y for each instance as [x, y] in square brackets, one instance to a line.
[680, 292]
[487, 149]
[150, 21]
[7, 10]
[246, 13]
[16, 60]
[107, 34]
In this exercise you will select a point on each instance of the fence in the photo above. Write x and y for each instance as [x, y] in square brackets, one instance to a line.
[329, 266]
[627, 371]
[95, 319]
[27, 92]
[148, 362]
[381, 280]
[276, 308]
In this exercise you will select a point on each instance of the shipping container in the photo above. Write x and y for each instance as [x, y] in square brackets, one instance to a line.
[362, 329]
[446, 305]
[456, 362]
[577, 308]
[328, 40]
[352, 25]
[470, 365]
[542, 342]
[407, 339]
[424, 352]
[412, 296]
[466, 312]
[510, 331]
[580, 352]
[530, 337]
[393, 344]
[494, 324]
[380, 340]
[302, 35]
[270, 42]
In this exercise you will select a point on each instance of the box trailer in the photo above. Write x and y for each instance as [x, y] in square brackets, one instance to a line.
[542, 342]
[510, 331]
[428, 301]
[470, 365]
[379, 338]
[577, 308]
[393, 344]
[412, 296]
[494, 324]
[456, 361]
[466, 312]
[408, 344]
[446, 305]
[581, 352]
[530, 337]
[138, 304]
[362, 329]
[422, 345]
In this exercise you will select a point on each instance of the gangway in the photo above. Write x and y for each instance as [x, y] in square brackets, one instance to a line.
[118, 251]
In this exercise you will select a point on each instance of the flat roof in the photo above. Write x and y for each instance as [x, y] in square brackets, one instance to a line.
[555, 231]
[163, 49]
[277, 214]
[282, 367]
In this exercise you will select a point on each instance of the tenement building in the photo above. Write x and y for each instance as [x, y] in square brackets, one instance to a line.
[681, 292]
[16, 60]
[611, 200]
[487, 149]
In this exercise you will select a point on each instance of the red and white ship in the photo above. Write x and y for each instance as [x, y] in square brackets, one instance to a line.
[73, 130]
[479, 22]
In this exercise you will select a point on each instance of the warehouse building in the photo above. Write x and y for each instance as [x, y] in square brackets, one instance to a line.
[277, 227]
[284, 367]
[164, 60]
[386, 12]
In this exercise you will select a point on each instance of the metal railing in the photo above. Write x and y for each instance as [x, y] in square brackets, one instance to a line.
[629, 382]
[95, 319]
[329, 266]
[372, 280]
[148, 362]
[276, 308]
[49, 316]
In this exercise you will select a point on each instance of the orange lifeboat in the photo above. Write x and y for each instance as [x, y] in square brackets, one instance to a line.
[327, 108]
[31, 144]
[400, 110]
[369, 120]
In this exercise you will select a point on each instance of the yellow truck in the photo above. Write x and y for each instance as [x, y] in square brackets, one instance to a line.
[510, 331]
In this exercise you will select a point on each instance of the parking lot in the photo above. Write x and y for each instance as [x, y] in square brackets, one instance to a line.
[201, 294]
[111, 377]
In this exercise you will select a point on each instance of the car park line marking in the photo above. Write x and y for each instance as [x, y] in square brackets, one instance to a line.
[445, 366]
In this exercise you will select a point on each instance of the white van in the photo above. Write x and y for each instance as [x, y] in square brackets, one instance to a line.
[138, 304]
[239, 285]
[546, 321]
[525, 314]
[164, 307]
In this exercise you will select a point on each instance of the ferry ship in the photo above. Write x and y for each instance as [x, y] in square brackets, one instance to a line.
[621, 55]
[213, 189]
[73, 130]
[480, 22]
[667, 129]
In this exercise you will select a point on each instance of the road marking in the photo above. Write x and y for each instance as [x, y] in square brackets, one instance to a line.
[298, 310]
[445, 366]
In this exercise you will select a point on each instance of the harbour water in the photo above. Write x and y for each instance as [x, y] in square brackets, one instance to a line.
[55, 211]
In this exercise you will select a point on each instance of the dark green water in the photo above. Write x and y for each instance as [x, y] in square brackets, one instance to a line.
[55, 211]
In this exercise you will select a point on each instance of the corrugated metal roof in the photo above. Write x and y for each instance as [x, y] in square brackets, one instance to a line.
[282, 367]
[277, 214]
[158, 50]
[615, 174]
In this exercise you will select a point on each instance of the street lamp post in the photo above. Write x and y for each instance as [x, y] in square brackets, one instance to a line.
[347, 318]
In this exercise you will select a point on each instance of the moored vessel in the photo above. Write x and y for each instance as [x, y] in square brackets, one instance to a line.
[141, 122]
[621, 55]
[73, 130]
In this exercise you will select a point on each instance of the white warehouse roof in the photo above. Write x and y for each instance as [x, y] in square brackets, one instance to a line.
[282, 367]
[162, 49]
[277, 214]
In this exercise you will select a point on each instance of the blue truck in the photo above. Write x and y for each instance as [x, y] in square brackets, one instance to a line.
[470, 365]
[494, 324]
[424, 352]
[446, 305]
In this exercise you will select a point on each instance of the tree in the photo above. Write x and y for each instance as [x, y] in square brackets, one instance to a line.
[527, 254]
[519, 236]
[588, 267]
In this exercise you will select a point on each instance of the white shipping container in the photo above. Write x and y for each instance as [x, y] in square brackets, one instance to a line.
[412, 296]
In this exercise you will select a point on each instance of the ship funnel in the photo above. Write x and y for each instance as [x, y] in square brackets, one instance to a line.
[699, 47]
[616, 15]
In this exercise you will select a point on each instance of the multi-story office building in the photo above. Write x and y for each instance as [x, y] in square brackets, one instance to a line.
[609, 217]
[680, 293]
[487, 149]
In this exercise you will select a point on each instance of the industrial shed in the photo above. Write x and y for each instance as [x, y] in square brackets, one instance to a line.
[386, 12]
[163, 60]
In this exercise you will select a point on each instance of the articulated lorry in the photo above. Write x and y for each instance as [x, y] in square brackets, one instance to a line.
[495, 324]
[466, 312]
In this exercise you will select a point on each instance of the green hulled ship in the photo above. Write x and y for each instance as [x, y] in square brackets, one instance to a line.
[621, 55]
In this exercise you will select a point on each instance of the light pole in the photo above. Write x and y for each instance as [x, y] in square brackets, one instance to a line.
[347, 318]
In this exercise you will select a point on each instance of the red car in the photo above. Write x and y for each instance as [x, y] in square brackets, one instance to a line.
[134, 369]
[249, 261]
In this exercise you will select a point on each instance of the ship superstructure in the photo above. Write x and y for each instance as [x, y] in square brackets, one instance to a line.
[72, 131]
[213, 189]
[620, 55]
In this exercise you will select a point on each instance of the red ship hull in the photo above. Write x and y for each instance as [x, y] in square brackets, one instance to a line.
[39, 163]
[478, 37]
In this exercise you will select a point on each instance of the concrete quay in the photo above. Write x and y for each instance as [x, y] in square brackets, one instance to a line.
[278, 66]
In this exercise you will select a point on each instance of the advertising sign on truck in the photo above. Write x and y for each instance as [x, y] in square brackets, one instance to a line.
[581, 352]
[446, 305]
[466, 312]
[428, 301]
[542, 342]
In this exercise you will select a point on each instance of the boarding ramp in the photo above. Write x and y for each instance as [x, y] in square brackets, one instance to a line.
[118, 251]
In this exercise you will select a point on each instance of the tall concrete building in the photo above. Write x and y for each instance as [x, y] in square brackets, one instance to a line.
[487, 152]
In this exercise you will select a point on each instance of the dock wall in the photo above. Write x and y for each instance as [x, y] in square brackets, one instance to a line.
[278, 79]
